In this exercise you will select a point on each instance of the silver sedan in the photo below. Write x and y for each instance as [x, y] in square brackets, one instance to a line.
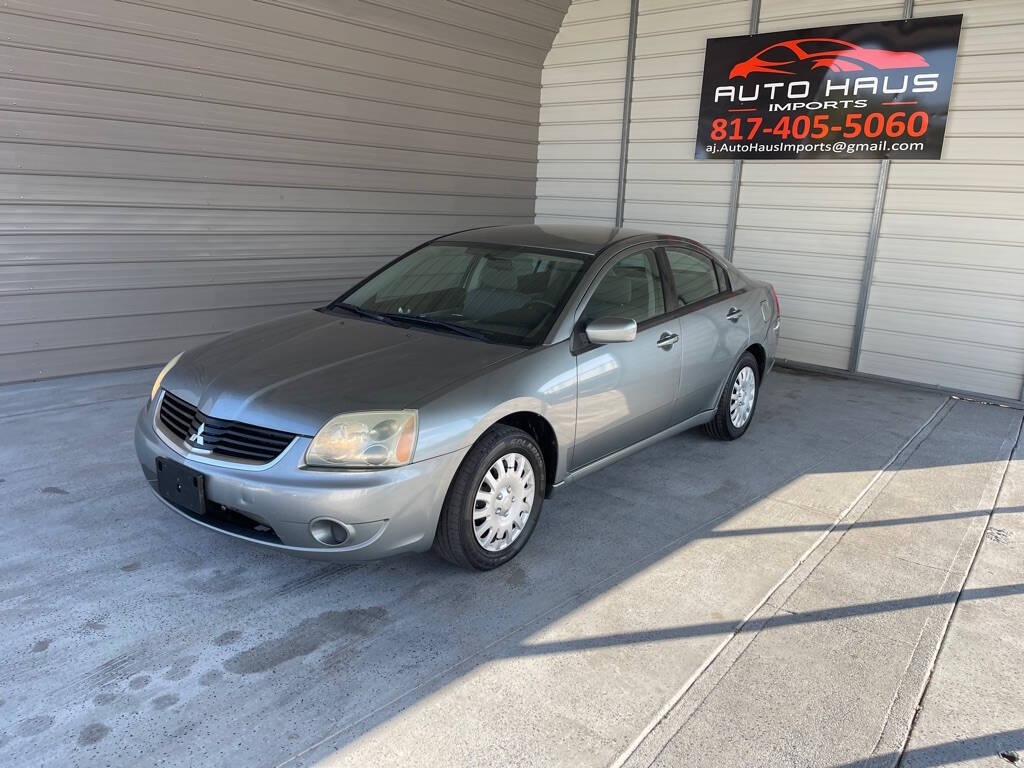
[439, 401]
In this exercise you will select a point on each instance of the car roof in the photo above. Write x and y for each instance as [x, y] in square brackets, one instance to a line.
[585, 239]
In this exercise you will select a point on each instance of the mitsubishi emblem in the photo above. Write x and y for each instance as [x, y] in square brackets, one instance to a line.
[197, 438]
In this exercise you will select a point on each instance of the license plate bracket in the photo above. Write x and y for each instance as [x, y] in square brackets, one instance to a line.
[183, 487]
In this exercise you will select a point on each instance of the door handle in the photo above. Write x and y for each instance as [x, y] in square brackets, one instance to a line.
[667, 340]
[734, 314]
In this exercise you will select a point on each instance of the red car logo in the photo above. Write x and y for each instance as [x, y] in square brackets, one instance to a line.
[837, 55]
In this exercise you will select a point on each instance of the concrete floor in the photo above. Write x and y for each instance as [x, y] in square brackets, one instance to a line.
[794, 598]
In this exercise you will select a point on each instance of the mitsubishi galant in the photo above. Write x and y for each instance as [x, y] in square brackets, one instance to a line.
[437, 403]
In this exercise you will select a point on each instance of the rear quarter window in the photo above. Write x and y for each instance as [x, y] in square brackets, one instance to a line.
[696, 276]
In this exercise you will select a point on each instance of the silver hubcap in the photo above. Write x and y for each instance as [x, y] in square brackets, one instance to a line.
[503, 503]
[741, 401]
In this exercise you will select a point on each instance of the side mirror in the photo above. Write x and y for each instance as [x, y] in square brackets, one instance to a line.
[610, 330]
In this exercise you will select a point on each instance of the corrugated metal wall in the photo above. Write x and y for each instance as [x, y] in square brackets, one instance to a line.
[803, 225]
[581, 114]
[174, 169]
[947, 300]
[666, 189]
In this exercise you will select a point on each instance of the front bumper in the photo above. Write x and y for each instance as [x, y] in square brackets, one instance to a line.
[385, 511]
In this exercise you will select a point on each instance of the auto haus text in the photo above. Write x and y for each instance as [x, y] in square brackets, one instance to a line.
[838, 94]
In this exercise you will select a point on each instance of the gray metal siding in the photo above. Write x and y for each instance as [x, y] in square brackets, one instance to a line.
[947, 301]
[581, 114]
[666, 189]
[175, 169]
[803, 225]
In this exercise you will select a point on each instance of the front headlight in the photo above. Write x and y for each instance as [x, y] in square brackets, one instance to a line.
[372, 439]
[160, 376]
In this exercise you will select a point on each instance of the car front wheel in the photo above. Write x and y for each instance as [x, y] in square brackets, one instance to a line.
[494, 500]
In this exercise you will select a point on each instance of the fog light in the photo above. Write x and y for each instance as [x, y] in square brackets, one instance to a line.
[328, 532]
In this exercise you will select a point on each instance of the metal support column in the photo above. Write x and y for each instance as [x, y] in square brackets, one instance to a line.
[627, 108]
[871, 252]
[868, 272]
[737, 165]
[734, 209]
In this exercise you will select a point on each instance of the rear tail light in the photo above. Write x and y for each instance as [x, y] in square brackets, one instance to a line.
[778, 309]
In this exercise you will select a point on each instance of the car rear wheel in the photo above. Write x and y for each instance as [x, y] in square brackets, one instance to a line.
[739, 399]
[494, 501]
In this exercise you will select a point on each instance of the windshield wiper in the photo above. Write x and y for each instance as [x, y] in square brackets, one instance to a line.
[365, 313]
[399, 320]
[430, 321]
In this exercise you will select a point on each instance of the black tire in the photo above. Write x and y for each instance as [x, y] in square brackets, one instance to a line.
[721, 427]
[455, 540]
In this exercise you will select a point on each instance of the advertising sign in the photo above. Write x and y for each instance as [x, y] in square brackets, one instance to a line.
[851, 91]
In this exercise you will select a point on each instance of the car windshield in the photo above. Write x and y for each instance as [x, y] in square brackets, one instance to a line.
[503, 294]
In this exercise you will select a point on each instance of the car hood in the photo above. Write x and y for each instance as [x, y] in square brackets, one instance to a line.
[295, 373]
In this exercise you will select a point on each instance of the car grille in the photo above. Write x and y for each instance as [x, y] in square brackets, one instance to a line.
[231, 439]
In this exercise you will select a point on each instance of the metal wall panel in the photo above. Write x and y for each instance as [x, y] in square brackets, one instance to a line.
[581, 117]
[581, 114]
[804, 225]
[666, 189]
[947, 300]
[173, 169]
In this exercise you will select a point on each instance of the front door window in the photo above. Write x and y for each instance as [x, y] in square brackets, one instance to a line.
[630, 289]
